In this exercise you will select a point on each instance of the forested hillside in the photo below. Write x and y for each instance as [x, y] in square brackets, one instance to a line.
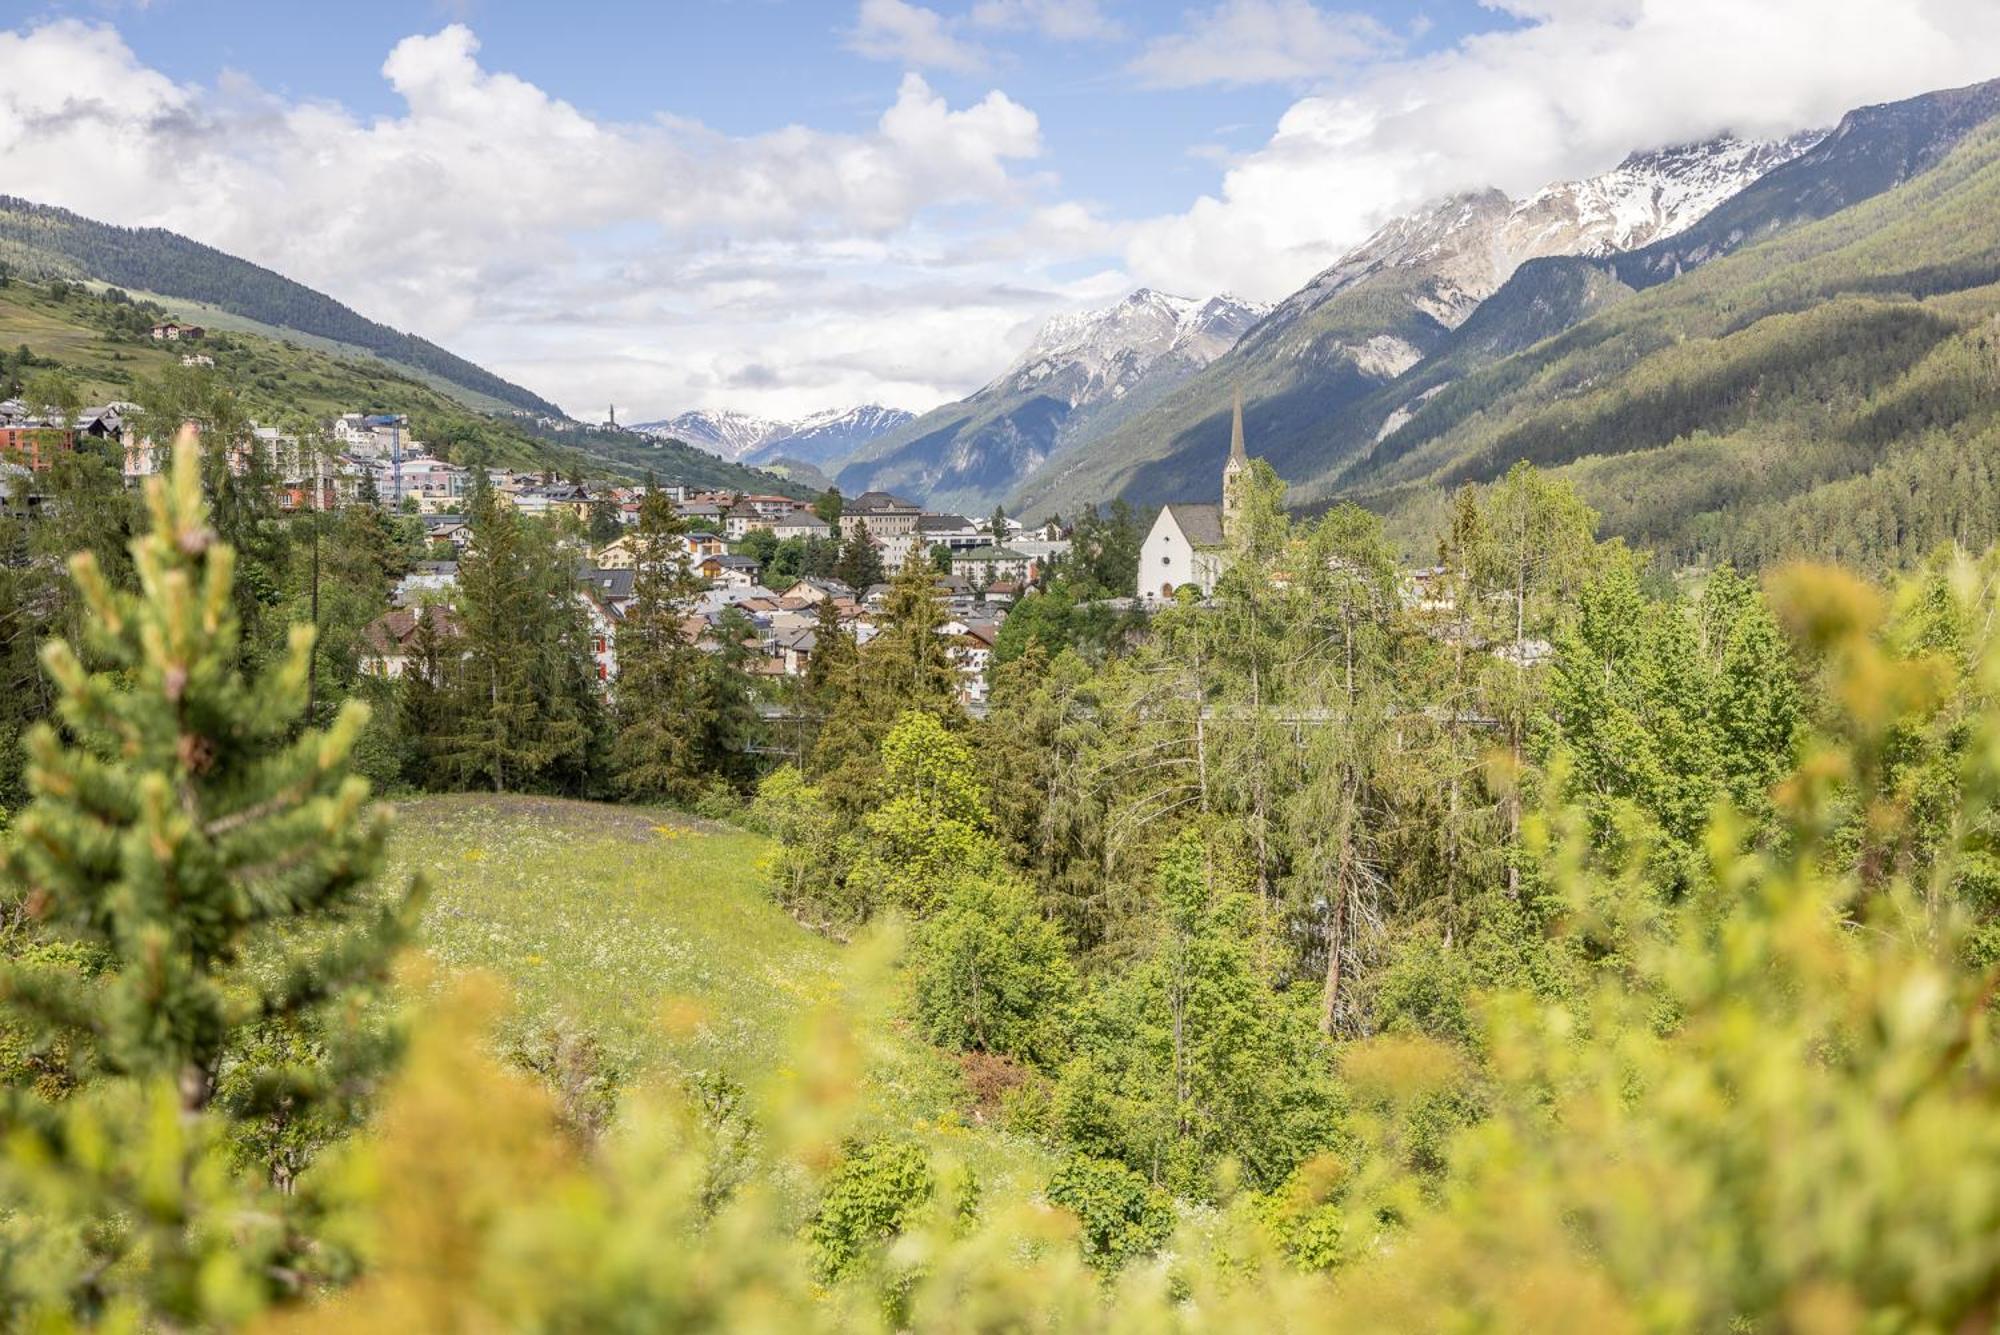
[1832, 391]
[36, 237]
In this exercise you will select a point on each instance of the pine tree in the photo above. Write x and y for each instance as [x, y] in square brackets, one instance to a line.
[664, 707]
[234, 822]
[180, 816]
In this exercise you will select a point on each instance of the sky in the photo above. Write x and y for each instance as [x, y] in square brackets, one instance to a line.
[781, 206]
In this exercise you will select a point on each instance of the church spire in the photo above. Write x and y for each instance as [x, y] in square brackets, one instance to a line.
[1236, 455]
[1235, 473]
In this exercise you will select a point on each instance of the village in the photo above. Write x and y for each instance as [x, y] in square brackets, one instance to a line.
[735, 543]
[979, 572]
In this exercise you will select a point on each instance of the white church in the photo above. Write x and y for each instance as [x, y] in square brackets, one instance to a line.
[1189, 544]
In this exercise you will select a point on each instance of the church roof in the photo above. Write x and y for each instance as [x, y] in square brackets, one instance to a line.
[1201, 525]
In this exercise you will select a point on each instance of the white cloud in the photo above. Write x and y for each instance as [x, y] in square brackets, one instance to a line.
[911, 35]
[648, 263]
[1058, 20]
[1571, 90]
[1261, 41]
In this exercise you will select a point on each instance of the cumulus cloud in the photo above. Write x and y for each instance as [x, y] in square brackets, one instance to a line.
[1261, 41]
[910, 35]
[1568, 90]
[653, 263]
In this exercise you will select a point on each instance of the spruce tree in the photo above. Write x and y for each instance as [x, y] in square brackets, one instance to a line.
[527, 697]
[860, 563]
[664, 705]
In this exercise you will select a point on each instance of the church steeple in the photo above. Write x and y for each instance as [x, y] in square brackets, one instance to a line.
[1235, 473]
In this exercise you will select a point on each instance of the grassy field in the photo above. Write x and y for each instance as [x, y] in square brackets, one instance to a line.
[652, 932]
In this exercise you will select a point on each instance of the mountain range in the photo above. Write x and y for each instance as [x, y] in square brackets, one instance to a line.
[1386, 307]
[1082, 374]
[1099, 389]
[819, 439]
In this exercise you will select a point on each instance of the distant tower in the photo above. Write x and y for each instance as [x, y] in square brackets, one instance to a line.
[612, 420]
[1235, 473]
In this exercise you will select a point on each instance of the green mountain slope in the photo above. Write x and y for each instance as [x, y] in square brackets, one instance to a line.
[1872, 150]
[100, 338]
[36, 237]
[1834, 390]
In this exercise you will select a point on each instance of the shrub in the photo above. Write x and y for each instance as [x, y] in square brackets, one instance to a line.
[1121, 1214]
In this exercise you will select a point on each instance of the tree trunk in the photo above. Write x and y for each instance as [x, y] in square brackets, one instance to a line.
[1336, 932]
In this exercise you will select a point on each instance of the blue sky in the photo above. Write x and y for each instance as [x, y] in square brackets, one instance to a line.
[744, 66]
[784, 205]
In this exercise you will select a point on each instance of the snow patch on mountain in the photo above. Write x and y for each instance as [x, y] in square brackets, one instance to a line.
[817, 438]
[1100, 355]
[1469, 244]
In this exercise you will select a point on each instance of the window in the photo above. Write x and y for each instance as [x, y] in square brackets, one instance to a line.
[1166, 560]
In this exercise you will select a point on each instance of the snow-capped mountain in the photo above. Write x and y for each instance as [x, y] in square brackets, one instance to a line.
[820, 438]
[1654, 195]
[1094, 355]
[1081, 371]
[1381, 312]
[826, 439]
[1467, 245]
[719, 431]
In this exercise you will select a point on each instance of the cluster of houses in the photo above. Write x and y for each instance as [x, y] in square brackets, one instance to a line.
[778, 625]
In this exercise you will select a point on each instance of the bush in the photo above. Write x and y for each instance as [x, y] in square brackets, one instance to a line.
[875, 1191]
[991, 975]
[1122, 1215]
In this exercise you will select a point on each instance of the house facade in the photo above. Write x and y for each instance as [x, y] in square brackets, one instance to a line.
[886, 516]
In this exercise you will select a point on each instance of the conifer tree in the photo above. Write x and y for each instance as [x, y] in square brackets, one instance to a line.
[860, 563]
[664, 705]
[181, 817]
[188, 812]
[527, 690]
[907, 667]
[909, 662]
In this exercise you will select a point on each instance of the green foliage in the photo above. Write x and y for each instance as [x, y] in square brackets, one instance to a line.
[211, 862]
[1665, 717]
[927, 832]
[1189, 1059]
[664, 746]
[522, 703]
[991, 975]
[1122, 1216]
[872, 1194]
[859, 566]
